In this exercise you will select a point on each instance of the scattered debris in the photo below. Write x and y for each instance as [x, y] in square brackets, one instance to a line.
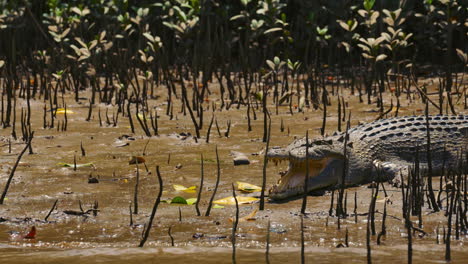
[136, 160]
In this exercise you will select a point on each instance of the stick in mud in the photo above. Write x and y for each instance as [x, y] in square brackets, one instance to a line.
[218, 176]
[51, 210]
[332, 199]
[130, 212]
[339, 201]
[90, 111]
[347, 238]
[355, 207]
[129, 114]
[372, 212]
[228, 130]
[64, 127]
[135, 194]
[234, 226]
[431, 197]
[107, 117]
[324, 118]
[12, 173]
[217, 127]
[44, 117]
[83, 152]
[368, 246]
[100, 119]
[306, 178]
[154, 122]
[449, 223]
[383, 232]
[265, 162]
[302, 240]
[209, 129]
[153, 212]
[201, 186]
[170, 235]
[143, 153]
[338, 222]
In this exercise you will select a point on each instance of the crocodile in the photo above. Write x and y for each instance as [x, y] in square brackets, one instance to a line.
[377, 151]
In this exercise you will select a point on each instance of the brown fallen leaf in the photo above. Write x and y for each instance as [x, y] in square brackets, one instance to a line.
[249, 217]
[136, 160]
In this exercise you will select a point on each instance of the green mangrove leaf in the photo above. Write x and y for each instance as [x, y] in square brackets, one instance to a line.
[181, 200]
[368, 4]
[178, 200]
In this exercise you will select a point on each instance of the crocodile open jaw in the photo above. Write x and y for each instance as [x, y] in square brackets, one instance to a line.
[292, 182]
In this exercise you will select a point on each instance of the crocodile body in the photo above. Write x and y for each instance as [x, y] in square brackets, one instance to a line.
[381, 150]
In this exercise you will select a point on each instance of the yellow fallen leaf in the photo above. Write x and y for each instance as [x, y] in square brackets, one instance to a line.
[62, 111]
[247, 187]
[383, 200]
[240, 199]
[190, 189]
[141, 116]
[249, 217]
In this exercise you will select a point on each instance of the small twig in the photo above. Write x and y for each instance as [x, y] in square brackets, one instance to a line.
[135, 194]
[218, 176]
[201, 186]
[234, 226]
[12, 173]
[265, 162]
[51, 210]
[209, 130]
[146, 145]
[130, 212]
[83, 152]
[306, 180]
[153, 212]
[302, 240]
[170, 235]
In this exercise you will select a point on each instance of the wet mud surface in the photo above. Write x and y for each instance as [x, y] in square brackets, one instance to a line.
[108, 236]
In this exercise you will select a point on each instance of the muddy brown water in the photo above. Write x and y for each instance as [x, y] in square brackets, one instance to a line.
[108, 237]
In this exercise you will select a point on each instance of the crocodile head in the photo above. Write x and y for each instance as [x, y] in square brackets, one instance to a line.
[325, 163]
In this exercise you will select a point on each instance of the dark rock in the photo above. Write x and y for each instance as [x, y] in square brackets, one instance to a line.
[198, 235]
[93, 180]
[241, 160]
